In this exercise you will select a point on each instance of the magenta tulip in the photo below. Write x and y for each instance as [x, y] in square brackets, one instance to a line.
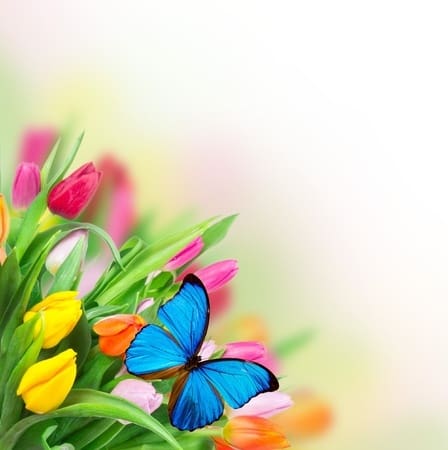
[70, 196]
[218, 274]
[190, 252]
[26, 185]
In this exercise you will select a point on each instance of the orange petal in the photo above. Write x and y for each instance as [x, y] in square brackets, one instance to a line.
[116, 345]
[113, 325]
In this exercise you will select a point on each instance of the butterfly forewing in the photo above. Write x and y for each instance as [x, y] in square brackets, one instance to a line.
[186, 315]
[153, 350]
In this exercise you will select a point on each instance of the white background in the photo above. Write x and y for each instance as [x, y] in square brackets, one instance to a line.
[325, 124]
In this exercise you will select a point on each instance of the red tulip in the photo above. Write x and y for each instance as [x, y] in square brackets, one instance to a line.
[70, 196]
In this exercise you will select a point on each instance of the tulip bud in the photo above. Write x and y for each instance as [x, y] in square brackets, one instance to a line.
[4, 220]
[63, 248]
[218, 274]
[46, 384]
[36, 144]
[26, 185]
[251, 351]
[117, 332]
[190, 252]
[140, 392]
[61, 312]
[71, 195]
[264, 405]
[249, 433]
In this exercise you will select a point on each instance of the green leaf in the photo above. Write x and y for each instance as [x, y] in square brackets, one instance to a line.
[93, 314]
[45, 435]
[67, 275]
[106, 438]
[50, 161]
[81, 438]
[68, 160]
[30, 223]
[30, 440]
[90, 403]
[217, 232]
[10, 278]
[80, 340]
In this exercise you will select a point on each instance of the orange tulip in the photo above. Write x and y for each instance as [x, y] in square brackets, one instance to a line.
[117, 332]
[309, 416]
[254, 433]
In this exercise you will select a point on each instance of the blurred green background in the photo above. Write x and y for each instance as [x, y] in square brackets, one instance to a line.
[322, 125]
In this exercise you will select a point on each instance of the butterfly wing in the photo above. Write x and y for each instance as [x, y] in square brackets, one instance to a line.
[197, 396]
[194, 402]
[154, 353]
[237, 380]
[186, 315]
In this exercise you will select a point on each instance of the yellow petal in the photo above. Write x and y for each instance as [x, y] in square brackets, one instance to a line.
[47, 383]
[54, 298]
[43, 371]
[60, 323]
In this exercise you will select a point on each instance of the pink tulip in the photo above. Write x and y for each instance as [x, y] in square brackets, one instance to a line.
[26, 185]
[218, 274]
[36, 144]
[190, 252]
[71, 195]
[139, 392]
[251, 351]
[264, 405]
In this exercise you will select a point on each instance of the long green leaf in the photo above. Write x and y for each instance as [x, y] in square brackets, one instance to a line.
[68, 160]
[89, 403]
[67, 275]
[10, 278]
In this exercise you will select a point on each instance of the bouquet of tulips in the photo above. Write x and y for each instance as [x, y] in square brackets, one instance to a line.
[77, 315]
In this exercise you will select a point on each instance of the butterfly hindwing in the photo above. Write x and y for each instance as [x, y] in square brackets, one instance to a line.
[153, 350]
[194, 402]
[237, 380]
[186, 315]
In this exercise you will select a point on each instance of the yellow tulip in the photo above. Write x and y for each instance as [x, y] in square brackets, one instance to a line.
[61, 312]
[46, 384]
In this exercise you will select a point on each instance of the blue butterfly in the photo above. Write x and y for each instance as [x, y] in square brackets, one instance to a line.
[201, 386]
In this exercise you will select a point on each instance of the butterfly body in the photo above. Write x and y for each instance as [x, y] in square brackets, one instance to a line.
[201, 386]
